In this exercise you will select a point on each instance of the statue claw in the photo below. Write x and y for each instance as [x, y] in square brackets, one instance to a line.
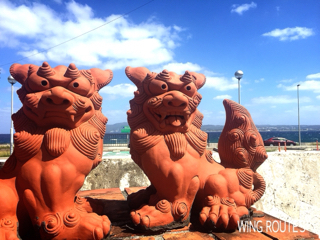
[219, 215]
[135, 217]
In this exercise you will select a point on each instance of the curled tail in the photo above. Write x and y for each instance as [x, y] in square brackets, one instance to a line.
[259, 187]
[240, 144]
[247, 178]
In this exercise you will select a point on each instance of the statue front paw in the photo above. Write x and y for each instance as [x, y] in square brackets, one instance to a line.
[74, 224]
[164, 215]
[8, 229]
[221, 213]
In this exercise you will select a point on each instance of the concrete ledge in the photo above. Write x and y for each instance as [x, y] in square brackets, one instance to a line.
[113, 203]
[115, 173]
[292, 179]
[292, 188]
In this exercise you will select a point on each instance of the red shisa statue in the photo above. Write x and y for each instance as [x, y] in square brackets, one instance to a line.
[168, 145]
[58, 141]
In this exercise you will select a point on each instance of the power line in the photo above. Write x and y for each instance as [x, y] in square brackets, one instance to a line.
[78, 35]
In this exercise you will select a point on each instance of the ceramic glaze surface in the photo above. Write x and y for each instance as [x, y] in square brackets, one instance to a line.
[58, 141]
[167, 143]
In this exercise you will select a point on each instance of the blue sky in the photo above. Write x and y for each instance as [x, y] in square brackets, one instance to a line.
[275, 43]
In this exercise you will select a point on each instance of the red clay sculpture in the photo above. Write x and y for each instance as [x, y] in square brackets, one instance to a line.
[167, 143]
[58, 141]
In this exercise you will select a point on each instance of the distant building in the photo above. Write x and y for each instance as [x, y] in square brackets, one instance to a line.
[125, 129]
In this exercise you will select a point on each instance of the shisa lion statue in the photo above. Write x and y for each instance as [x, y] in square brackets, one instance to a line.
[58, 141]
[167, 143]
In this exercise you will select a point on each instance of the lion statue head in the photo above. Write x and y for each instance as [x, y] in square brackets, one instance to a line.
[59, 105]
[164, 107]
[168, 100]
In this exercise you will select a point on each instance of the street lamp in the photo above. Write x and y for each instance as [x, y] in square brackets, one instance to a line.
[238, 74]
[12, 81]
[298, 115]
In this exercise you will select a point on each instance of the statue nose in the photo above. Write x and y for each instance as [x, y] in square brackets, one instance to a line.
[175, 100]
[58, 96]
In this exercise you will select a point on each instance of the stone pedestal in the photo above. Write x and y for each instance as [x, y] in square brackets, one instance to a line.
[261, 226]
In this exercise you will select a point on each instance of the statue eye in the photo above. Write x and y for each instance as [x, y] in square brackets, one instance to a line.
[157, 87]
[80, 86]
[36, 83]
[189, 89]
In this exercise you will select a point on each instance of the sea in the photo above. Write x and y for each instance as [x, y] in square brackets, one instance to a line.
[213, 137]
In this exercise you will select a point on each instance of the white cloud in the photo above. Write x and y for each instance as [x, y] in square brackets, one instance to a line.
[318, 97]
[310, 85]
[310, 108]
[223, 97]
[116, 116]
[117, 44]
[259, 80]
[242, 8]
[15, 87]
[286, 80]
[290, 33]
[312, 76]
[221, 83]
[124, 90]
[5, 110]
[279, 100]
[180, 68]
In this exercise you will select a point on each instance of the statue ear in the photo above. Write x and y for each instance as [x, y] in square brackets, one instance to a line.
[137, 75]
[200, 79]
[102, 77]
[20, 72]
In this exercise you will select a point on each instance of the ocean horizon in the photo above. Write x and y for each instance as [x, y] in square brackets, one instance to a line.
[213, 137]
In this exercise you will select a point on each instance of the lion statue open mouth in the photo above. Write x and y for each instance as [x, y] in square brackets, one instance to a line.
[168, 145]
[58, 141]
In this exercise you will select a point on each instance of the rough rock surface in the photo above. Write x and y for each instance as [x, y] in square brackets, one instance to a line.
[115, 173]
[292, 178]
[292, 190]
[292, 187]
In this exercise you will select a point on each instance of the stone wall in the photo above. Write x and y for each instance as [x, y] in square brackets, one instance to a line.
[292, 188]
[292, 184]
[115, 173]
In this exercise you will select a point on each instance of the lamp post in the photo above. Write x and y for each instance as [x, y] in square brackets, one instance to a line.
[238, 74]
[12, 81]
[298, 115]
